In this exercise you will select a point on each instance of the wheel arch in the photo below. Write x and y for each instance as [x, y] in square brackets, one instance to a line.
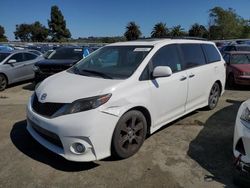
[220, 85]
[7, 79]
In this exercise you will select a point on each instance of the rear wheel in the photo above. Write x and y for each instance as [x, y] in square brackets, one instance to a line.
[129, 134]
[214, 96]
[3, 82]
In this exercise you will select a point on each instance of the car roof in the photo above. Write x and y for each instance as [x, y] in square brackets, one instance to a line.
[237, 52]
[154, 42]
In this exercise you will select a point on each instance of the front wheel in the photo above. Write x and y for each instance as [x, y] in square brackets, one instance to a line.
[129, 134]
[214, 96]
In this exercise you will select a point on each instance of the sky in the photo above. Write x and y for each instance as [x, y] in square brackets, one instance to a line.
[110, 17]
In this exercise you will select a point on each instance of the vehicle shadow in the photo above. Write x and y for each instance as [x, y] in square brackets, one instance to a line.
[30, 147]
[29, 82]
[212, 148]
[30, 87]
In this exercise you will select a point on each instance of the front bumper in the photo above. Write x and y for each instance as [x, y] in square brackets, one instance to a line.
[93, 129]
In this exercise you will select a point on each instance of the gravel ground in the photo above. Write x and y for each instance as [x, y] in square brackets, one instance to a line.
[194, 151]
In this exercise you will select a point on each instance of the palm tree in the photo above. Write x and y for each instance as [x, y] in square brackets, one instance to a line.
[198, 30]
[177, 31]
[132, 31]
[159, 30]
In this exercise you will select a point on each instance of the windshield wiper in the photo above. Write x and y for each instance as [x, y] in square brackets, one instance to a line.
[97, 73]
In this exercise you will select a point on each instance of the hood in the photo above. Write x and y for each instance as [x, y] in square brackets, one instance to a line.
[56, 62]
[241, 67]
[66, 87]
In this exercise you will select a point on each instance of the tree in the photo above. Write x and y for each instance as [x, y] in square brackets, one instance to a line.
[177, 31]
[23, 32]
[132, 31]
[57, 25]
[39, 33]
[224, 23]
[3, 38]
[198, 30]
[159, 30]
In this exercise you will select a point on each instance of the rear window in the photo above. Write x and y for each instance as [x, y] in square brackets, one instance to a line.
[211, 53]
[193, 55]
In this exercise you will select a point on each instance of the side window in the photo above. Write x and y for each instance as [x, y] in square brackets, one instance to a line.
[226, 58]
[18, 57]
[193, 55]
[211, 53]
[167, 56]
[29, 56]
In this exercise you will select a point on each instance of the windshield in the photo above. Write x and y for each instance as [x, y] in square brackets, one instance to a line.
[3, 56]
[240, 59]
[118, 62]
[243, 48]
[67, 53]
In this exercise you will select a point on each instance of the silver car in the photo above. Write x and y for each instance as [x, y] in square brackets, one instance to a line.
[16, 66]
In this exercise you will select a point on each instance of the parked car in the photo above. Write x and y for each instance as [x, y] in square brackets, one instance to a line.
[16, 66]
[241, 145]
[57, 61]
[234, 47]
[238, 68]
[107, 103]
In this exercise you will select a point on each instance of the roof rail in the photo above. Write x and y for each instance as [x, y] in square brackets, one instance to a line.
[175, 37]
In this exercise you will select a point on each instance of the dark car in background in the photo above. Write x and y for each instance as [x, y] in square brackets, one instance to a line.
[238, 68]
[234, 47]
[59, 60]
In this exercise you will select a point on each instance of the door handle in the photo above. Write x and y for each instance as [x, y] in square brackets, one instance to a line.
[191, 75]
[183, 78]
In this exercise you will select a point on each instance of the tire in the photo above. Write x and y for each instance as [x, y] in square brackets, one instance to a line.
[231, 82]
[129, 134]
[3, 82]
[214, 96]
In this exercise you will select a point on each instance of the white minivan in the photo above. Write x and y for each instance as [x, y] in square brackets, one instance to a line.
[107, 103]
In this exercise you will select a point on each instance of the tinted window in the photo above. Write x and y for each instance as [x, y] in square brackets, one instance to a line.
[193, 55]
[211, 53]
[67, 53]
[240, 59]
[167, 56]
[28, 56]
[3, 56]
[18, 57]
[243, 48]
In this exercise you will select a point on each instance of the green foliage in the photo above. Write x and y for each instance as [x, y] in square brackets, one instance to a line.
[225, 24]
[3, 38]
[57, 26]
[35, 32]
[132, 31]
[198, 30]
[177, 31]
[160, 30]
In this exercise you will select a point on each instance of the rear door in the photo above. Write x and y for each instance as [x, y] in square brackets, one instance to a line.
[199, 75]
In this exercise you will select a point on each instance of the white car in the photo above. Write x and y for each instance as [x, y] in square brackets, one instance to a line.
[109, 101]
[241, 146]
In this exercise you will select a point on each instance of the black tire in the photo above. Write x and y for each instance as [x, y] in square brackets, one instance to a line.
[230, 81]
[214, 96]
[3, 82]
[129, 134]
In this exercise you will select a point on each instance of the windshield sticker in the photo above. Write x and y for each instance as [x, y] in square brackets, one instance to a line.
[142, 49]
[78, 50]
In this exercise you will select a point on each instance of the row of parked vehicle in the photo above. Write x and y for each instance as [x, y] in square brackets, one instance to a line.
[28, 63]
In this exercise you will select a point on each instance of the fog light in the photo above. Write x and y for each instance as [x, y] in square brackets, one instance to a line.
[79, 148]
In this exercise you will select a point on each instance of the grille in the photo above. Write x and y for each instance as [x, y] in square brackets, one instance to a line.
[45, 109]
[47, 135]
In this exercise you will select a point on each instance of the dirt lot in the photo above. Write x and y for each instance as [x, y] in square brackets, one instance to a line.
[195, 151]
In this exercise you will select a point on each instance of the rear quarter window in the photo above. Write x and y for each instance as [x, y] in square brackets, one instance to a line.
[212, 55]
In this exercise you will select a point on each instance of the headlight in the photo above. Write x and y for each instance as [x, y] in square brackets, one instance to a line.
[35, 68]
[245, 116]
[83, 105]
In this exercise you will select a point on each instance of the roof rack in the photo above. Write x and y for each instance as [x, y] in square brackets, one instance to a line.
[175, 37]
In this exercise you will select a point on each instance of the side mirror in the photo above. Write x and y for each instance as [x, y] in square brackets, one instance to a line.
[11, 61]
[162, 71]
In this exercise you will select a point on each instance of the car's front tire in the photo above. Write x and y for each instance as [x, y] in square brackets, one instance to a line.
[214, 96]
[3, 82]
[129, 134]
